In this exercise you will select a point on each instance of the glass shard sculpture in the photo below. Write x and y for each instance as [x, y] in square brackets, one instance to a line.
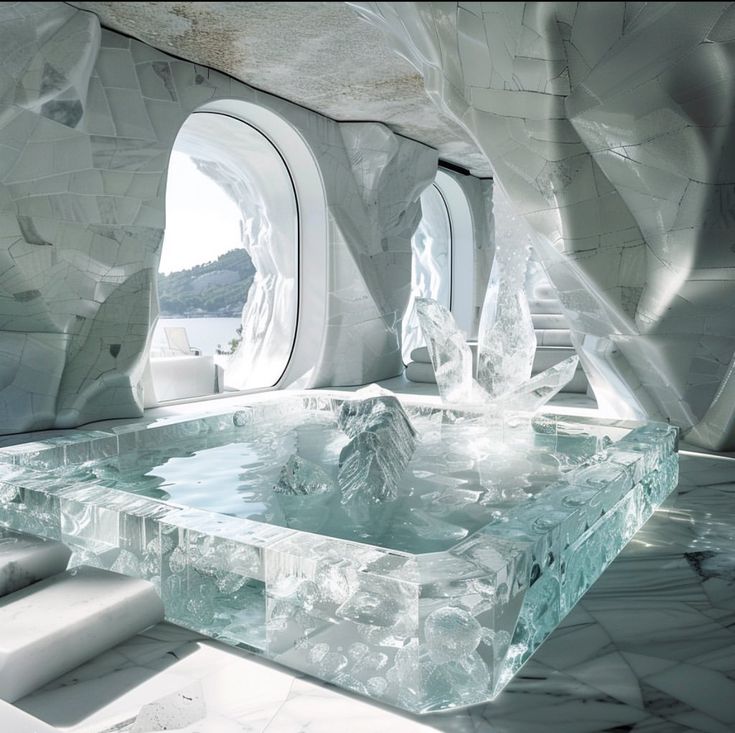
[506, 346]
[450, 355]
[506, 340]
[382, 443]
[534, 393]
[473, 544]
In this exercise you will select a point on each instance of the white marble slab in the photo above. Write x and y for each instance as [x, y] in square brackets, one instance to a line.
[25, 559]
[58, 623]
[14, 720]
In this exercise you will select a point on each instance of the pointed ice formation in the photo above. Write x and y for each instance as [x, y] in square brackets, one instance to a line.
[304, 493]
[383, 441]
[506, 340]
[450, 355]
[506, 345]
[537, 391]
[300, 477]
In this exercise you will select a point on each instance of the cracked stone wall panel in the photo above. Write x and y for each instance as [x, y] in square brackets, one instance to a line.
[349, 301]
[98, 119]
[55, 80]
[192, 88]
[483, 222]
[23, 22]
[635, 57]
[356, 324]
[380, 162]
[116, 68]
[110, 358]
[474, 55]
[165, 117]
[370, 147]
[122, 153]
[589, 310]
[390, 270]
[373, 348]
[376, 221]
[687, 143]
[31, 365]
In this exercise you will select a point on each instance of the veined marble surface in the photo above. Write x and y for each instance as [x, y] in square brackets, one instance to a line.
[650, 649]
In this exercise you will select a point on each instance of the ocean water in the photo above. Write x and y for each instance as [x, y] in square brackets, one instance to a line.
[203, 333]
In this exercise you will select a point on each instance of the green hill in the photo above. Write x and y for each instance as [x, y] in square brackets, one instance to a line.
[216, 288]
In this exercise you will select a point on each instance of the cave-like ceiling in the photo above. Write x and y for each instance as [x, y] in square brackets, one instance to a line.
[318, 54]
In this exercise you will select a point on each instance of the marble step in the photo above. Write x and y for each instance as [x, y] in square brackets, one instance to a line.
[421, 355]
[544, 305]
[13, 720]
[25, 559]
[419, 371]
[544, 292]
[578, 384]
[553, 337]
[547, 356]
[549, 320]
[58, 623]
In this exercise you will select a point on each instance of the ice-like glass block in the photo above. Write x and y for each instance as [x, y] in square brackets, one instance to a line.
[491, 532]
[506, 339]
[450, 355]
[503, 384]
[382, 443]
[535, 392]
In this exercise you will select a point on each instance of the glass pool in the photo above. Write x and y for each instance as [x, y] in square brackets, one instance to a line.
[430, 600]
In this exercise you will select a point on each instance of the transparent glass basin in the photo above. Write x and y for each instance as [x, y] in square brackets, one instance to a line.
[500, 525]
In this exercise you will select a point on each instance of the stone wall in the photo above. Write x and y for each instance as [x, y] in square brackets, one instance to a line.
[88, 118]
[610, 127]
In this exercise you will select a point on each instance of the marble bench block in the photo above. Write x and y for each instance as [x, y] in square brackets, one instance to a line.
[61, 622]
[417, 371]
[421, 355]
[13, 720]
[25, 559]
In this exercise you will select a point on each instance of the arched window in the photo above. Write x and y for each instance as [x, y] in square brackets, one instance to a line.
[431, 264]
[228, 278]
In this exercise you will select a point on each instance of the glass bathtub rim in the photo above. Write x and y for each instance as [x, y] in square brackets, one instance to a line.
[264, 535]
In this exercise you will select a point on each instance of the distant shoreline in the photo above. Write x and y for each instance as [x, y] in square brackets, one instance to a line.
[196, 315]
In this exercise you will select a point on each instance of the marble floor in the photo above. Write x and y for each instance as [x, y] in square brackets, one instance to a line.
[650, 649]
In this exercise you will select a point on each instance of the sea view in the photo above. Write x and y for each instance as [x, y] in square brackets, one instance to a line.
[204, 333]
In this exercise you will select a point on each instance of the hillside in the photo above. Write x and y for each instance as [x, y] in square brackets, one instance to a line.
[216, 288]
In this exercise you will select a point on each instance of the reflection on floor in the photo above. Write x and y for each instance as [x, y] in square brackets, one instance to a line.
[650, 649]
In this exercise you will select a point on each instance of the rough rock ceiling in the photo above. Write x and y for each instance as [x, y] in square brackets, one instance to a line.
[317, 54]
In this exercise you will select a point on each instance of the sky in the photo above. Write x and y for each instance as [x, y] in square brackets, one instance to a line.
[202, 222]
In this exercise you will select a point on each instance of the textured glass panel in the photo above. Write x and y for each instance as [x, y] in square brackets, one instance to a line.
[430, 265]
[428, 594]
